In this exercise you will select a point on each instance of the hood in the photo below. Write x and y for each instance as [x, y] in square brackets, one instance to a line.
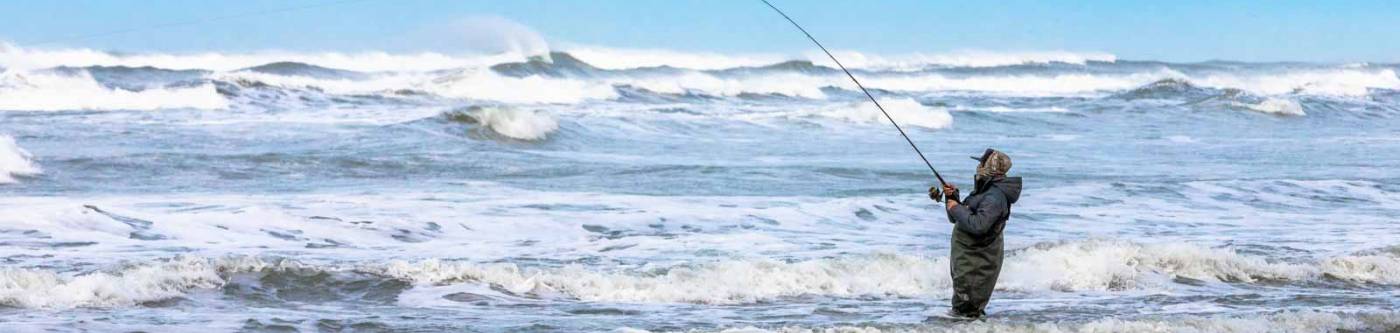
[1011, 186]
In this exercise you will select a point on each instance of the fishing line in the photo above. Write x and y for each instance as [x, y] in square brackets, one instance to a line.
[862, 89]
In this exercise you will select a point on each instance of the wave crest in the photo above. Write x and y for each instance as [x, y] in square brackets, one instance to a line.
[510, 122]
[35, 91]
[15, 161]
[1102, 266]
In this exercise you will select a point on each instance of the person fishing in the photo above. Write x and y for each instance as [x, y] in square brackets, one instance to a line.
[978, 221]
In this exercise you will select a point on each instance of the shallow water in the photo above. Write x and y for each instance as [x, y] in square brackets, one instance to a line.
[534, 196]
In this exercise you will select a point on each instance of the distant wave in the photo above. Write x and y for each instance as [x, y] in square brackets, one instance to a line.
[15, 161]
[287, 68]
[44, 79]
[904, 110]
[614, 58]
[35, 91]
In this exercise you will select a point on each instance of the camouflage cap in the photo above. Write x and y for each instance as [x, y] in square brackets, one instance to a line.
[993, 163]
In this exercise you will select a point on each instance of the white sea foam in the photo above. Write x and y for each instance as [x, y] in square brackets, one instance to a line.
[15, 161]
[1073, 266]
[1278, 106]
[1005, 109]
[618, 58]
[1020, 85]
[27, 90]
[964, 58]
[1290, 321]
[487, 85]
[33, 91]
[342, 86]
[786, 84]
[45, 289]
[1336, 82]
[905, 111]
[516, 123]
[725, 282]
[810, 86]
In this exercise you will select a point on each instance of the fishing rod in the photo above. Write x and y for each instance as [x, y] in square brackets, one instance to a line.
[862, 89]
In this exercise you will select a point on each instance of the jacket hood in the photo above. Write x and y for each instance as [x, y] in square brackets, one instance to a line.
[1011, 186]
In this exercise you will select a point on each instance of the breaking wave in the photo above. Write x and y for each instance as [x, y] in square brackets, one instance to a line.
[1324, 82]
[613, 58]
[1278, 106]
[36, 79]
[508, 121]
[489, 85]
[131, 286]
[1289, 321]
[15, 161]
[1102, 266]
[967, 58]
[1066, 267]
[34, 91]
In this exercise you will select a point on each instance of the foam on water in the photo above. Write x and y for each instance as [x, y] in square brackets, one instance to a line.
[965, 58]
[1066, 267]
[1335, 82]
[1289, 321]
[516, 123]
[1278, 106]
[488, 85]
[46, 289]
[616, 58]
[33, 91]
[704, 190]
[15, 161]
[386, 83]
[906, 111]
[1082, 266]
[25, 87]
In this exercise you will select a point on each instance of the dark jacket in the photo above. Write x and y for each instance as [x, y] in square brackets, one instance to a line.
[977, 246]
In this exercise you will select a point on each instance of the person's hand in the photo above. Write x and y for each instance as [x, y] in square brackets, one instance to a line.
[935, 194]
[950, 192]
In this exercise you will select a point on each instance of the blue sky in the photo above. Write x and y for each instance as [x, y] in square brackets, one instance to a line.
[1328, 31]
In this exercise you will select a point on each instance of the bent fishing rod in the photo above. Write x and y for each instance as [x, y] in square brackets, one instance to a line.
[862, 89]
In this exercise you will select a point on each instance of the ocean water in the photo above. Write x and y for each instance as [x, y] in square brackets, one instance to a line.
[610, 190]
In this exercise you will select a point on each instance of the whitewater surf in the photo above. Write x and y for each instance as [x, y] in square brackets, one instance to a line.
[595, 189]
